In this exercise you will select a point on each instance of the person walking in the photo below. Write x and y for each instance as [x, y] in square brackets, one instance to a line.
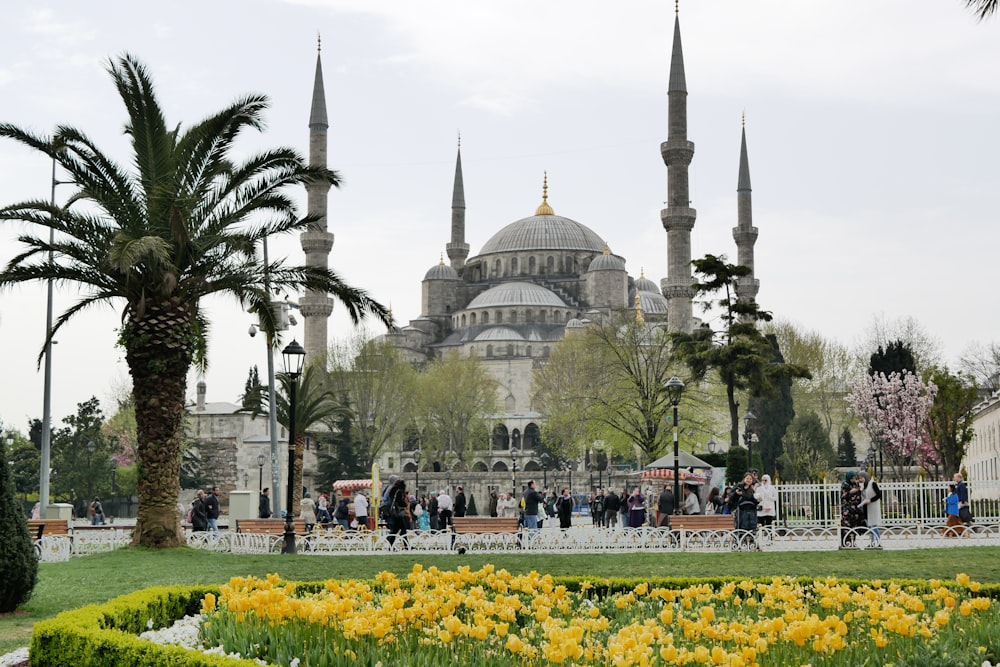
[964, 509]
[433, 519]
[96, 512]
[564, 508]
[744, 504]
[872, 505]
[199, 513]
[506, 506]
[954, 526]
[323, 510]
[461, 505]
[636, 509]
[213, 509]
[767, 502]
[532, 499]
[399, 514]
[307, 511]
[423, 515]
[714, 503]
[691, 504]
[494, 502]
[611, 505]
[664, 507]
[445, 510]
[851, 514]
[361, 509]
[264, 504]
[342, 513]
[623, 508]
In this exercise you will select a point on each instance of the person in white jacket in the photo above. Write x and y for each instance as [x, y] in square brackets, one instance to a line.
[767, 501]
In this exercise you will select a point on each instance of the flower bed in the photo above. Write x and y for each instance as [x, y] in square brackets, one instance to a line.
[491, 618]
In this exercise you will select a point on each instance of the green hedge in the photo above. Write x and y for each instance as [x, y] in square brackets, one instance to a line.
[106, 635]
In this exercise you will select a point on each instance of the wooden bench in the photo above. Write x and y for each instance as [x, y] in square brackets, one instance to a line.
[463, 525]
[268, 526]
[48, 527]
[701, 522]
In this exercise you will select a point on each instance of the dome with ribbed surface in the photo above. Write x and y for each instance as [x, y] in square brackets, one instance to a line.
[516, 294]
[574, 324]
[543, 232]
[644, 284]
[499, 333]
[441, 272]
[607, 263]
[653, 303]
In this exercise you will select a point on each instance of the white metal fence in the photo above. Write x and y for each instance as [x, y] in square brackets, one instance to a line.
[903, 503]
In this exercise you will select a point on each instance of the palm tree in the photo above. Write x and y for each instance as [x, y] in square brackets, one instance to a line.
[316, 403]
[182, 224]
[982, 8]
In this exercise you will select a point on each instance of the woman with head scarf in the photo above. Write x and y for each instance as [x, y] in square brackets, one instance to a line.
[767, 501]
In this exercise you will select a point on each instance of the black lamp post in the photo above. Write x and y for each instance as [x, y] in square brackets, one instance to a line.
[294, 356]
[513, 474]
[675, 388]
[545, 471]
[246, 479]
[748, 420]
[599, 446]
[260, 465]
[712, 445]
[416, 460]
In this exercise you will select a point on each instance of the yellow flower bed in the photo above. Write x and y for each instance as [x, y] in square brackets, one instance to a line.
[492, 617]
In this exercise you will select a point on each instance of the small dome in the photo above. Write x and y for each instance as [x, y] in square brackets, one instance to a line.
[516, 294]
[499, 333]
[607, 262]
[574, 324]
[644, 284]
[441, 271]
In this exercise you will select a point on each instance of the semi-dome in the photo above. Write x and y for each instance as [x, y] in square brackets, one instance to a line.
[653, 303]
[516, 294]
[574, 324]
[543, 232]
[441, 271]
[499, 333]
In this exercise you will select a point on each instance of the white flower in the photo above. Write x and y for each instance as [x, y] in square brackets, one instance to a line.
[294, 663]
[149, 624]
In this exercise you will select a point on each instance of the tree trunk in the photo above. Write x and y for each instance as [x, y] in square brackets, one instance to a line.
[296, 472]
[158, 343]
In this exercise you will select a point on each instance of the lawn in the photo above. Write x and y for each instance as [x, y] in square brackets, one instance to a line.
[101, 577]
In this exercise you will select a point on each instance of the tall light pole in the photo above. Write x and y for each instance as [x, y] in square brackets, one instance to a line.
[294, 356]
[599, 447]
[748, 421]
[43, 471]
[416, 460]
[513, 474]
[675, 388]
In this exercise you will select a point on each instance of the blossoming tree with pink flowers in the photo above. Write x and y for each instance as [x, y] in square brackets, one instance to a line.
[894, 411]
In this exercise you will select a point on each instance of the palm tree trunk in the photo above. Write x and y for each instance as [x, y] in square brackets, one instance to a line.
[159, 352]
[300, 448]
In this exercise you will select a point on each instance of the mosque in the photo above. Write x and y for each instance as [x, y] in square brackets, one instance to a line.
[531, 282]
[546, 274]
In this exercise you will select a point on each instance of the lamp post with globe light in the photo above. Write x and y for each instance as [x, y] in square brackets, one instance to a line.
[294, 356]
[260, 479]
[416, 461]
[675, 388]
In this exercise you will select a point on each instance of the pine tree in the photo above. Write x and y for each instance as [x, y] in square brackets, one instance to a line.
[847, 456]
[17, 551]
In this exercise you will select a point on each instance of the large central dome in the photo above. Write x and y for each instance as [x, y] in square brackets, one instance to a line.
[544, 232]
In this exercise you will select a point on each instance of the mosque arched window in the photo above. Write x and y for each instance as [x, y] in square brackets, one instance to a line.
[513, 317]
[499, 317]
[501, 438]
[463, 321]
[499, 269]
[531, 266]
[472, 319]
[541, 316]
[513, 266]
[550, 264]
[510, 349]
[486, 317]
[489, 351]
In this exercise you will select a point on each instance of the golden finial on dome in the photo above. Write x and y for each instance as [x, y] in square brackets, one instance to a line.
[642, 272]
[639, 319]
[544, 208]
[319, 42]
[677, 7]
[743, 119]
[607, 250]
[459, 138]
[441, 260]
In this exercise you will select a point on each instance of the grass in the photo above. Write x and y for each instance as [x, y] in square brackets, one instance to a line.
[98, 578]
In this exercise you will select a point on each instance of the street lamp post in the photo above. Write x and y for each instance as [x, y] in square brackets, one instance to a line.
[294, 357]
[260, 465]
[513, 475]
[545, 471]
[748, 421]
[91, 446]
[712, 445]
[599, 446]
[675, 388]
[246, 479]
[416, 460]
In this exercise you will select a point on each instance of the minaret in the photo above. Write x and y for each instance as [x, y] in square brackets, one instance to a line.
[678, 218]
[744, 233]
[458, 249]
[317, 243]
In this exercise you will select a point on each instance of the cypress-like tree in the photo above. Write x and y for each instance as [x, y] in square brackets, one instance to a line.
[847, 456]
[17, 551]
[897, 356]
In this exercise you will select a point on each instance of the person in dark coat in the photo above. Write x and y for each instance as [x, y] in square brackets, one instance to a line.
[199, 513]
[564, 508]
[494, 498]
[213, 508]
[399, 513]
[611, 505]
[852, 516]
[264, 505]
[461, 505]
[744, 504]
[665, 507]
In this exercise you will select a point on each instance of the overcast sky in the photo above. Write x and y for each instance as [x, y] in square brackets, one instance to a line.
[872, 132]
